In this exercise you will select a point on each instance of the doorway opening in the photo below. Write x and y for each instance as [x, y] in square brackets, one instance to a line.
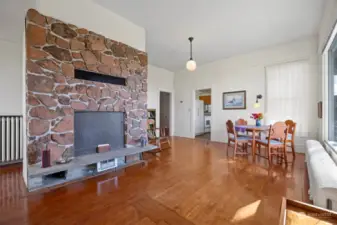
[165, 110]
[203, 114]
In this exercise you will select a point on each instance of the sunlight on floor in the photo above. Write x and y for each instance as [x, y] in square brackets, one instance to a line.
[246, 212]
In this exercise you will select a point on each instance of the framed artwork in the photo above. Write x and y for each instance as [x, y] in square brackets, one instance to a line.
[234, 100]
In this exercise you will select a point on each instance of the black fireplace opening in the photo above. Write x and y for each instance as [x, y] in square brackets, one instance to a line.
[92, 76]
[95, 128]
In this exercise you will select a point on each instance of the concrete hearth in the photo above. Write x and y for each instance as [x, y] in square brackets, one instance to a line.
[82, 167]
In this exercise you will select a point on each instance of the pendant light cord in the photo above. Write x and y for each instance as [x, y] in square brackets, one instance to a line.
[191, 39]
[191, 50]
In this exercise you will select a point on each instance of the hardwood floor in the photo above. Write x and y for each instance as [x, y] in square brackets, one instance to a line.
[205, 136]
[193, 183]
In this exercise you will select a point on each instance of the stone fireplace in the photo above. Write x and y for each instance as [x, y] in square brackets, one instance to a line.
[54, 96]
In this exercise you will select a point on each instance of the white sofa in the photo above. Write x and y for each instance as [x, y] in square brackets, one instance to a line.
[322, 171]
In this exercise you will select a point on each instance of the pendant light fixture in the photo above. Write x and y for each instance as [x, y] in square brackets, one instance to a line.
[191, 65]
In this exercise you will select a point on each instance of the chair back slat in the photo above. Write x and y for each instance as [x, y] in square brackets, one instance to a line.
[230, 129]
[278, 130]
[291, 127]
[241, 122]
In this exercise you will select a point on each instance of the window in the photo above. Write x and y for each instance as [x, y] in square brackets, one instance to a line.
[291, 94]
[332, 90]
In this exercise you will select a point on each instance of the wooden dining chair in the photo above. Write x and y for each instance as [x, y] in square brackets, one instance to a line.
[242, 122]
[291, 134]
[237, 140]
[276, 143]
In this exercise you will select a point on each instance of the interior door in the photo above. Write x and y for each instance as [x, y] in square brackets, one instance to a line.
[199, 117]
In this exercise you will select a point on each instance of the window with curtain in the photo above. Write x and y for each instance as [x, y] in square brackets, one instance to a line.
[332, 91]
[291, 94]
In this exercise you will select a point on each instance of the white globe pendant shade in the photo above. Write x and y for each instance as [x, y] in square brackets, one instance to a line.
[191, 65]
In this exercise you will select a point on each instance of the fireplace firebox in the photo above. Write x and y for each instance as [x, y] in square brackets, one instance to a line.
[95, 128]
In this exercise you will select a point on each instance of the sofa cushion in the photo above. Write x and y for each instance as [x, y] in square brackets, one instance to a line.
[312, 146]
[322, 175]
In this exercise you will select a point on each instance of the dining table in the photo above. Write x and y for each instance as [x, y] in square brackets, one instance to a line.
[254, 130]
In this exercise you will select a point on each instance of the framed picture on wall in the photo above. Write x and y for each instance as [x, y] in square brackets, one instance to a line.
[234, 100]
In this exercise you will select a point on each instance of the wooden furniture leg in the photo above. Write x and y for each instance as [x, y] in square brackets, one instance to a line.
[235, 147]
[285, 154]
[269, 156]
[293, 148]
[253, 145]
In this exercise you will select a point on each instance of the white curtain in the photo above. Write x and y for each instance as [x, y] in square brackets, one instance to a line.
[289, 95]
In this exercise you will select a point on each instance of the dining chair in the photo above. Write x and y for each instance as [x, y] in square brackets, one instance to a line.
[291, 134]
[237, 140]
[243, 122]
[275, 143]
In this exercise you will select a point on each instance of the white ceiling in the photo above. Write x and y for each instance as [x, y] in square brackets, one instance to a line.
[221, 28]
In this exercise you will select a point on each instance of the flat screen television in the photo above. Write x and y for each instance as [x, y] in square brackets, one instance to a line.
[94, 128]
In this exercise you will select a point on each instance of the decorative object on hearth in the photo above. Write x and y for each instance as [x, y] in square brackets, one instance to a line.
[257, 117]
[63, 161]
[143, 141]
[107, 165]
[46, 158]
[191, 65]
[257, 104]
[103, 148]
[234, 100]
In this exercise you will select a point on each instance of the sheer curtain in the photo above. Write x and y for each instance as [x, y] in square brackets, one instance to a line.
[288, 91]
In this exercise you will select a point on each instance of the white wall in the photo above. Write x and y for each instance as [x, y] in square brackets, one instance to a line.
[243, 72]
[89, 15]
[12, 21]
[10, 78]
[24, 109]
[160, 80]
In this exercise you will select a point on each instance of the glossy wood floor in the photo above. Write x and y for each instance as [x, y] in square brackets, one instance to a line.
[193, 183]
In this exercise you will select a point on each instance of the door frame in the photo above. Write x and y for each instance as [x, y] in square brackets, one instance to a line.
[171, 92]
[193, 111]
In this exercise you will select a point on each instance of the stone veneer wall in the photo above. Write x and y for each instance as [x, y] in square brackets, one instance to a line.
[54, 50]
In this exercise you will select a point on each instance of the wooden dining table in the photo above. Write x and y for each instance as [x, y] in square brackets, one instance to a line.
[254, 130]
